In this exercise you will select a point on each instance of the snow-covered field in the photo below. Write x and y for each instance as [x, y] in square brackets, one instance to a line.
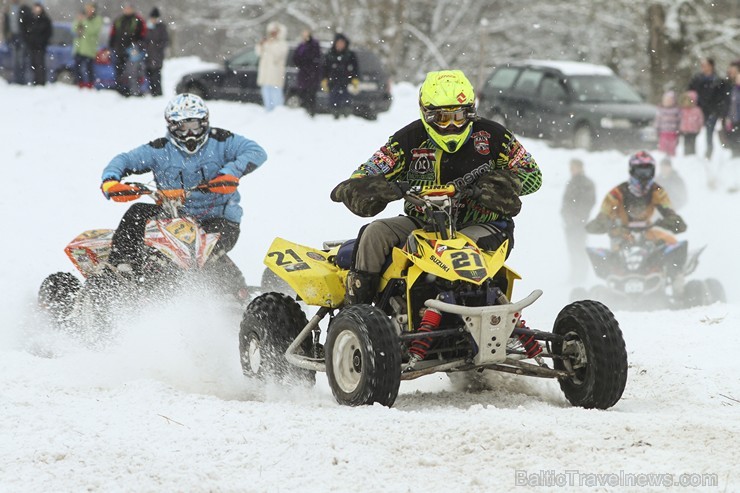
[167, 409]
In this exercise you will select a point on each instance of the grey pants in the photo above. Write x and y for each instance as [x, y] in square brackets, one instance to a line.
[379, 237]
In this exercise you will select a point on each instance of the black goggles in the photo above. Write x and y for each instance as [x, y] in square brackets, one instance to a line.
[186, 128]
[643, 173]
[444, 117]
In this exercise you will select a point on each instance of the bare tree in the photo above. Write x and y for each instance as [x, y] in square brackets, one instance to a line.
[656, 47]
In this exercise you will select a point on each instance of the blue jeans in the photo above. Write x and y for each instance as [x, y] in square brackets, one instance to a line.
[709, 123]
[85, 73]
[272, 97]
[19, 60]
[339, 101]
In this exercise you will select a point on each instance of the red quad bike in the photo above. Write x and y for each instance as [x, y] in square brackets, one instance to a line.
[180, 252]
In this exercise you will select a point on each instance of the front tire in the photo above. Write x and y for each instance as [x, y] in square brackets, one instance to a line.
[715, 291]
[594, 351]
[363, 357]
[270, 324]
[271, 282]
[694, 293]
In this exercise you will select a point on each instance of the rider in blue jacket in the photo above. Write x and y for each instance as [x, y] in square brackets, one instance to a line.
[192, 154]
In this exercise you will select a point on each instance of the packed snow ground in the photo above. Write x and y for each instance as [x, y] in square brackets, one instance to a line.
[167, 409]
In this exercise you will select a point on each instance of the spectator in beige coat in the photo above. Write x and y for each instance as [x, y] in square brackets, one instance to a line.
[273, 53]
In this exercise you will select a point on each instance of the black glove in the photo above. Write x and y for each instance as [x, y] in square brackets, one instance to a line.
[366, 196]
[499, 191]
[672, 223]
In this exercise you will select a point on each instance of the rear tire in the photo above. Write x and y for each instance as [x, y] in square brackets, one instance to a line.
[694, 293]
[270, 324]
[57, 294]
[715, 291]
[92, 315]
[363, 357]
[595, 352]
[271, 282]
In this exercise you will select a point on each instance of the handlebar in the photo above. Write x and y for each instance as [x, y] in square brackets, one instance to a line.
[418, 194]
[142, 189]
[639, 225]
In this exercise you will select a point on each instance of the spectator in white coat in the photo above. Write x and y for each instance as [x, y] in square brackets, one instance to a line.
[273, 53]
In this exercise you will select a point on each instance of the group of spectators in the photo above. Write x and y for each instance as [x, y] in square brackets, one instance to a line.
[336, 72]
[27, 32]
[137, 47]
[708, 99]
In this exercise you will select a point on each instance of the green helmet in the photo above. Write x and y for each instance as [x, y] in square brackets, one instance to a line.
[447, 105]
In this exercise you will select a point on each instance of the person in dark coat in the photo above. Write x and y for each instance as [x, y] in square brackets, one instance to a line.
[578, 200]
[156, 42]
[37, 35]
[340, 72]
[709, 88]
[307, 57]
[127, 33]
[14, 19]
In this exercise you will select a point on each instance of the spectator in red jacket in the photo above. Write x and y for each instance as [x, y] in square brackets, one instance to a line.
[692, 121]
[667, 123]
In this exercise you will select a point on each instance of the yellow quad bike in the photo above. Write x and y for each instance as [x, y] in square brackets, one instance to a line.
[442, 305]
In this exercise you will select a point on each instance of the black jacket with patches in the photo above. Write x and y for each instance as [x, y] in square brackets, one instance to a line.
[411, 155]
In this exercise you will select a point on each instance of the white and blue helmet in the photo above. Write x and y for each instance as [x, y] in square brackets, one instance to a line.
[187, 122]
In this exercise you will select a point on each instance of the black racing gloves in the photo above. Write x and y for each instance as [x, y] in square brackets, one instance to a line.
[671, 222]
[366, 196]
[499, 191]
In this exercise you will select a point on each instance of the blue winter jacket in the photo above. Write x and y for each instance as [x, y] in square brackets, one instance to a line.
[223, 153]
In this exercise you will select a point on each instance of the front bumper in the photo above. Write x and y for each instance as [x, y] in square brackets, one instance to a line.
[490, 326]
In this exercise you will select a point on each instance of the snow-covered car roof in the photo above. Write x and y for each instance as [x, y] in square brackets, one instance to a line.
[572, 68]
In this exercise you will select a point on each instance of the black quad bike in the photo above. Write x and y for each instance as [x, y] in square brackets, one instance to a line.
[643, 273]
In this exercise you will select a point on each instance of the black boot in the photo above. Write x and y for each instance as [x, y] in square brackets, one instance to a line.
[361, 287]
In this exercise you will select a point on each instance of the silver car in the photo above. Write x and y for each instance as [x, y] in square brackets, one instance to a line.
[569, 103]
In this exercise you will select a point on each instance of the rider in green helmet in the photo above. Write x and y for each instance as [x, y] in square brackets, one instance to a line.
[449, 144]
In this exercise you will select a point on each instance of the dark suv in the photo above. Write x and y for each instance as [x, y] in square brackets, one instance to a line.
[237, 81]
[576, 103]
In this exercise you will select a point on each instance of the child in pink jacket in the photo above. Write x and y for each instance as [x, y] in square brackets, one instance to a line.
[667, 123]
[692, 121]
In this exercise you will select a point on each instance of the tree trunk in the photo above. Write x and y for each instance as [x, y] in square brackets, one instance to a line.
[667, 55]
[656, 49]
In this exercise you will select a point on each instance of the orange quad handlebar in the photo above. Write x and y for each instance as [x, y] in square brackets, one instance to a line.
[124, 192]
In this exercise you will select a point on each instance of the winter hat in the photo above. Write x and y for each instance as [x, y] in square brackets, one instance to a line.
[154, 14]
